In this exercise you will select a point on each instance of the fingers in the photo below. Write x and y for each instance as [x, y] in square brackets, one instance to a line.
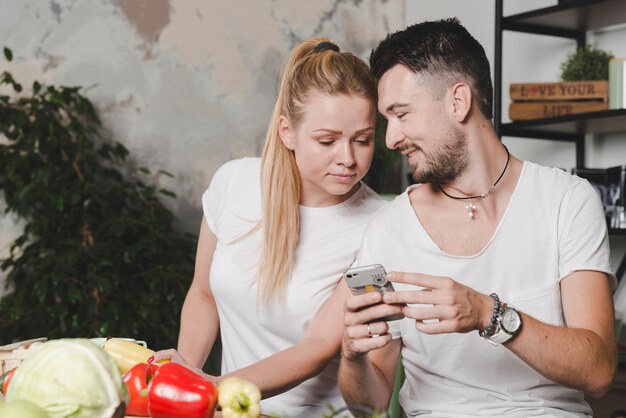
[357, 302]
[364, 330]
[372, 313]
[418, 279]
[352, 348]
[367, 330]
[169, 354]
[175, 357]
[412, 296]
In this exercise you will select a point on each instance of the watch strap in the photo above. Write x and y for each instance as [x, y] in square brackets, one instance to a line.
[501, 335]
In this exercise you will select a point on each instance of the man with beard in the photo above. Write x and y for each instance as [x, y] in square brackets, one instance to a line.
[501, 266]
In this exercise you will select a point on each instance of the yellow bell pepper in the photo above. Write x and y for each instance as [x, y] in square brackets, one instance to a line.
[239, 398]
[127, 353]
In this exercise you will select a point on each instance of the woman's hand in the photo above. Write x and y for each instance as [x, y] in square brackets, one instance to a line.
[175, 357]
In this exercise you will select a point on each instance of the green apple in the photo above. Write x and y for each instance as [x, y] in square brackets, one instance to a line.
[20, 408]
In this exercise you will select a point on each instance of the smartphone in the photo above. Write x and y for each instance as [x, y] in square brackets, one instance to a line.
[367, 279]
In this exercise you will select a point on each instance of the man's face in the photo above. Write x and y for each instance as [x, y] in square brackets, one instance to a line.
[333, 146]
[421, 127]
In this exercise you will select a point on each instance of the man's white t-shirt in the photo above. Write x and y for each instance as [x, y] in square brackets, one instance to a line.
[329, 240]
[554, 225]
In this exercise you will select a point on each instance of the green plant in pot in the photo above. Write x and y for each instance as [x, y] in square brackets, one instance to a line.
[99, 254]
[589, 63]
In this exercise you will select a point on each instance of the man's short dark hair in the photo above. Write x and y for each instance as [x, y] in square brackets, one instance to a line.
[442, 53]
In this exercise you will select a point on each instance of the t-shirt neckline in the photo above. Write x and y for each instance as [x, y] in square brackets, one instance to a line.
[421, 228]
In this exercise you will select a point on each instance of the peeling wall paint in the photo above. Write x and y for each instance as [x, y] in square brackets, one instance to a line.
[186, 85]
[149, 17]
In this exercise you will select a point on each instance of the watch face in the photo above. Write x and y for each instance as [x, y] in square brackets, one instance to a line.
[511, 321]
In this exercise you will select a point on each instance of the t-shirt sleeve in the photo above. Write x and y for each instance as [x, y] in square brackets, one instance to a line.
[584, 242]
[215, 198]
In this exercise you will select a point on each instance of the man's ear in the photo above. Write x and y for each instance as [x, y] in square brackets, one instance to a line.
[285, 130]
[461, 101]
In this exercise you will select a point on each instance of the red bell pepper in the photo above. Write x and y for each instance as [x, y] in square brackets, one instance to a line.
[175, 391]
[137, 379]
[5, 379]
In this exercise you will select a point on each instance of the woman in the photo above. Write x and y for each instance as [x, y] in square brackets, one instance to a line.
[278, 232]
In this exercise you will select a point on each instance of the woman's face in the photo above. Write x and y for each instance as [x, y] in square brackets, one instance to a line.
[333, 146]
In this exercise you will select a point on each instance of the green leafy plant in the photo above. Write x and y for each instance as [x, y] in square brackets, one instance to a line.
[99, 254]
[385, 175]
[589, 63]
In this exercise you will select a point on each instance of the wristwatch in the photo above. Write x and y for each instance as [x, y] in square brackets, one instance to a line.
[508, 325]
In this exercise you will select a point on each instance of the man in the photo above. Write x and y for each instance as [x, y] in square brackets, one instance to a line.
[487, 243]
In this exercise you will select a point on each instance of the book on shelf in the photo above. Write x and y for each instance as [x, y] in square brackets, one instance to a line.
[540, 110]
[617, 86]
[565, 90]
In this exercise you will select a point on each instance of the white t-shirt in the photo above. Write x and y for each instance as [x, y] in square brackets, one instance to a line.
[554, 225]
[329, 240]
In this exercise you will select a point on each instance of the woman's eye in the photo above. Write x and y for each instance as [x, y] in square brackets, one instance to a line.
[364, 140]
[326, 141]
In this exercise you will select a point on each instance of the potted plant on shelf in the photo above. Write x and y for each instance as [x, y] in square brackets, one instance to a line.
[589, 63]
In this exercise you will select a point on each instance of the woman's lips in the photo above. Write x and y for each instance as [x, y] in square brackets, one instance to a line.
[343, 178]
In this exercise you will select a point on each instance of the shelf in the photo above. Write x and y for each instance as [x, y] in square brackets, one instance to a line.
[575, 15]
[602, 122]
[568, 19]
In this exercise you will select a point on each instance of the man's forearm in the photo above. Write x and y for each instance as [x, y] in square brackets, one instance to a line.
[575, 357]
[362, 384]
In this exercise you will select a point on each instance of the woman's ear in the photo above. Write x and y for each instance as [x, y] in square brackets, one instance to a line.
[285, 130]
[461, 101]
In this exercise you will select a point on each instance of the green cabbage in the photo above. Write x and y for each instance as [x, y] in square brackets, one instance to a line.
[70, 378]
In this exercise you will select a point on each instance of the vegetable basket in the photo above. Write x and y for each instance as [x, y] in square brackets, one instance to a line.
[12, 355]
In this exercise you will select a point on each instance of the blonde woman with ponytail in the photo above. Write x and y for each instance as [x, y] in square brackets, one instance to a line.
[278, 232]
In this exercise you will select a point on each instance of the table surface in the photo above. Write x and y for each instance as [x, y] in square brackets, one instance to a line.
[218, 414]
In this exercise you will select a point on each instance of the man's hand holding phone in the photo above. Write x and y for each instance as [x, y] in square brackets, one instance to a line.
[365, 313]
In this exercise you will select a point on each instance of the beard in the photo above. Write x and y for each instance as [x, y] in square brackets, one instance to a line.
[445, 163]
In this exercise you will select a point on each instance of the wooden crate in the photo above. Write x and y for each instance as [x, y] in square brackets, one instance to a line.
[12, 355]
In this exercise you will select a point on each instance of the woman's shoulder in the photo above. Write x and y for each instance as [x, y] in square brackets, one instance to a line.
[393, 211]
[237, 173]
[239, 166]
[367, 200]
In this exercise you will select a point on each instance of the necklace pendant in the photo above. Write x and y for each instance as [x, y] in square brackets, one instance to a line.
[470, 210]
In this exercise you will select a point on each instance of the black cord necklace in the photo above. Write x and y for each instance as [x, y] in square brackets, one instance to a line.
[470, 206]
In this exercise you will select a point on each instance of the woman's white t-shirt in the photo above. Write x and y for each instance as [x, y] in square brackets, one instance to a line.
[329, 240]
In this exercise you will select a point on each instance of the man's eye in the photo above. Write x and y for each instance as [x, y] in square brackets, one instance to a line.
[400, 115]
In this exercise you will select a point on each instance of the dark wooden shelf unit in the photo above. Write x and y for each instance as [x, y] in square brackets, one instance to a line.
[571, 20]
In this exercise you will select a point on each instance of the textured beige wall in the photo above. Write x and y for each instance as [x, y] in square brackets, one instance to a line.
[185, 84]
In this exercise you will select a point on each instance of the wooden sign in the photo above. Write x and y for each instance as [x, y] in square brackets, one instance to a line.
[567, 90]
[540, 110]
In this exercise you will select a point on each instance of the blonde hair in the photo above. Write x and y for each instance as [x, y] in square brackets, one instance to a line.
[311, 66]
